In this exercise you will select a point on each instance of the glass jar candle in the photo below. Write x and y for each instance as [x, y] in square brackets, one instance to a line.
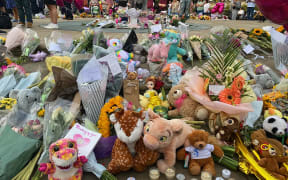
[154, 174]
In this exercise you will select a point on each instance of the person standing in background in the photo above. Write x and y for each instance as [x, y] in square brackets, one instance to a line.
[200, 7]
[51, 4]
[236, 6]
[250, 9]
[184, 8]
[207, 8]
[37, 8]
[175, 7]
[25, 12]
[163, 5]
[10, 4]
[2, 6]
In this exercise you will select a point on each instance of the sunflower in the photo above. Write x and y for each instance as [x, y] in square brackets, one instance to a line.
[257, 32]
[280, 29]
[238, 83]
[229, 97]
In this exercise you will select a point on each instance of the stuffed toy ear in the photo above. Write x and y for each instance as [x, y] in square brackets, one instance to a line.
[140, 115]
[13, 94]
[175, 125]
[152, 115]
[36, 90]
[115, 116]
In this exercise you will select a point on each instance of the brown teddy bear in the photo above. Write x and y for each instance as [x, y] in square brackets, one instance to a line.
[259, 137]
[200, 152]
[230, 126]
[131, 75]
[185, 105]
[271, 153]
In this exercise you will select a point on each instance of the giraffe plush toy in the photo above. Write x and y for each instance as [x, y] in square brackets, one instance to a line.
[129, 150]
[65, 163]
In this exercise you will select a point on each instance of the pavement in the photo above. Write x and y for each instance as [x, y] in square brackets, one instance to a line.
[40, 66]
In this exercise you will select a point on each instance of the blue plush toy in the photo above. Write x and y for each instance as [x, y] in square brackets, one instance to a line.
[173, 39]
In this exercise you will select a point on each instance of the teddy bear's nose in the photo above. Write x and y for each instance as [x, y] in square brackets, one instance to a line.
[201, 145]
[175, 92]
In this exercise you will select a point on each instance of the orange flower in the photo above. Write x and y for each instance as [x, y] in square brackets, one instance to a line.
[229, 97]
[238, 83]
[206, 84]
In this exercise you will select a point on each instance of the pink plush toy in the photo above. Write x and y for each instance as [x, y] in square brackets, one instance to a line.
[219, 7]
[158, 52]
[65, 162]
[165, 136]
[39, 56]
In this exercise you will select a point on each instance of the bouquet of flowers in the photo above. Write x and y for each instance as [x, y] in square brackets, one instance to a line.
[204, 17]
[85, 43]
[174, 20]
[32, 129]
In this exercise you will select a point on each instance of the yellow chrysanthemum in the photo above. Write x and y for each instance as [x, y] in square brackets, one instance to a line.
[257, 32]
[41, 113]
[280, 29]
[286, 76]
[104, 122]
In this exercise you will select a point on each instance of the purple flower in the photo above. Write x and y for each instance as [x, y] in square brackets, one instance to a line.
[219, 76]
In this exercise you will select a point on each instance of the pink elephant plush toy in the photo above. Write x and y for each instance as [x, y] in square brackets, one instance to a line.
[158, 52]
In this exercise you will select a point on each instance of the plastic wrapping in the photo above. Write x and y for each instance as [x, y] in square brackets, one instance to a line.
[280, 48]
[57, 120]
[14, 38]
[26, 82]
[58, 42]
[78, 61]
[7, 83]
[30, 43]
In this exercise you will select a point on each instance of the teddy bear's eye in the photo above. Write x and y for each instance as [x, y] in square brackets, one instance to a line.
[56, 148]
[70, 145]
[163, 139]
[27, 96]
[35, 99]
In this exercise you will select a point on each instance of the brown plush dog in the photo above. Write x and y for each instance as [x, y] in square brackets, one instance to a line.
[200, 152]
[131, 75]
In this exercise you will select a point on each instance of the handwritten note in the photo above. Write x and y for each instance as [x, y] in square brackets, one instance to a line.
[86, 139]
[215, 90]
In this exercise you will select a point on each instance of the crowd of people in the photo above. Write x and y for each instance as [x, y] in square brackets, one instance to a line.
[24, 10]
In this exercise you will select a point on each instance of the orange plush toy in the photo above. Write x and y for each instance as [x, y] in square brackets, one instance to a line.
[200, 153]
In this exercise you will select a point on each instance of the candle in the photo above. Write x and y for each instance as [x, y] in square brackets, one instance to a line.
[154, 174]
[206, 176]
[170, 173]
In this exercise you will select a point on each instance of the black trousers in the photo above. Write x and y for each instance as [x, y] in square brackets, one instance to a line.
[67, 10]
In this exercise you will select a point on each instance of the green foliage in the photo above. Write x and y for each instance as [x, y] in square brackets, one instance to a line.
[222, 63]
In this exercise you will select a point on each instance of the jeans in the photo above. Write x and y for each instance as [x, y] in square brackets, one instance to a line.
[24, 9]
[250, 13]
[37, 6]
[234, 14]
[185, 7]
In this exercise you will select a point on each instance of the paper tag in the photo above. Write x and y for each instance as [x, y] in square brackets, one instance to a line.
[156, 28]
[248, 49]
[113, 63]
[215, 90]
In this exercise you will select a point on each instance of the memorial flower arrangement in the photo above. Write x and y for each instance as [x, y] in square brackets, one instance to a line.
[103, 123]
[223, 72]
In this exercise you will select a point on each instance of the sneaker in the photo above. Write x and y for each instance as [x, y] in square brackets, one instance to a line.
[14, 20]
[51, 26]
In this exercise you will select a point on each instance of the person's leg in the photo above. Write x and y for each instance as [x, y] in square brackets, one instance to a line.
[2, 6]
[68, 11]
[234, 14]
[187, 10]
[34, 7]
[249, 13]
[28, 12]
[20, 8]
[53, 13]
[182, 7]
[15, 13]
